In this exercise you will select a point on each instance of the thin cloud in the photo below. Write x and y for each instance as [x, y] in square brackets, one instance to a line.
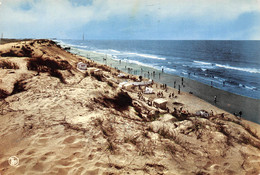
[47, 16]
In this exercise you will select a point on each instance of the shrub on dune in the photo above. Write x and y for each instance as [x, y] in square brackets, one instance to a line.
[47, 65]
[8, 65]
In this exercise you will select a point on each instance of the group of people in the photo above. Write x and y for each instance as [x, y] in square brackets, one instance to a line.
[163, 86]
[140, 96]
[177, 112]
[171, 95]
[160, 94]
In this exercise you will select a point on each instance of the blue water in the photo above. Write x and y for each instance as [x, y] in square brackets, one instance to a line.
[233, 66]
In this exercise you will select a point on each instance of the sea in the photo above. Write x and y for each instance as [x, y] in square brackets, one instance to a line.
[233, 66]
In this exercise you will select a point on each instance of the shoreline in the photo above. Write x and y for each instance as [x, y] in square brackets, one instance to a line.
[230, 102]
[240, 80]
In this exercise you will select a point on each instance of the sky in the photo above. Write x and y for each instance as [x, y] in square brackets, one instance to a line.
[131, 19]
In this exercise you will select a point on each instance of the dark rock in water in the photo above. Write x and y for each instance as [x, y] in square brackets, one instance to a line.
[66, 48]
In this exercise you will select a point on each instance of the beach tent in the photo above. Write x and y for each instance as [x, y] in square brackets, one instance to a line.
[160, 103]
[121, 75]
[82, 66]
[148, 90]
[202, 113]
[126, 85]
[142, 83]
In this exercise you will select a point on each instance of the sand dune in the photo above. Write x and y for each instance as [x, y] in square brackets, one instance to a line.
[58, 119]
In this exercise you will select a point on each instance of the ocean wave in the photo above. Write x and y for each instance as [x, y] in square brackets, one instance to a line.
[139, 63]
[146, 56]
[250, 70]
[169, 69]
[84, 47]
[202, 62]
[72, 45]
[115, 51]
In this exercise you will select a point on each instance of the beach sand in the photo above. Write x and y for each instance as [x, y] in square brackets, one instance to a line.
[58, 119]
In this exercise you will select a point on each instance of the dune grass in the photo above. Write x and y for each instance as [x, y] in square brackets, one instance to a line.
[4, 64]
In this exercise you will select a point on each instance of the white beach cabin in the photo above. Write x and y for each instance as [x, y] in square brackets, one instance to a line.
[160, 103]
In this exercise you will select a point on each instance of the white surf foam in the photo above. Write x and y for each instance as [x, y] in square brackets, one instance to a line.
[146, 56]
[202, 62]
[250, 70]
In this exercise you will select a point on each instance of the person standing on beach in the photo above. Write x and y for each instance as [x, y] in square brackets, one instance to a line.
[174, 84]
[215, 99]
[240, 114]
[179, 89]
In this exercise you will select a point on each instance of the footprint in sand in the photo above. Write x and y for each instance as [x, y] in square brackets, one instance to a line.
[44, 140]
[64, 162]
[90, 157]
[30, 152]
[69, 139]
[38, 167]
[49, 153]
[20, 151]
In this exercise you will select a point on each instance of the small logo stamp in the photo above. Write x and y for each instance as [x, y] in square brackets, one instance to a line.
[13, 161]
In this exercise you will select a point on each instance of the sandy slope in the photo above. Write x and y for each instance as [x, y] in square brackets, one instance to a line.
[59, 120]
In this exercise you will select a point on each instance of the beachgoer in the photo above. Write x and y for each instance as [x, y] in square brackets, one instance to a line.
[140, 78]
[240, 114]
[215, 99]
[179, 89]
[162, 70]
[174, 84]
